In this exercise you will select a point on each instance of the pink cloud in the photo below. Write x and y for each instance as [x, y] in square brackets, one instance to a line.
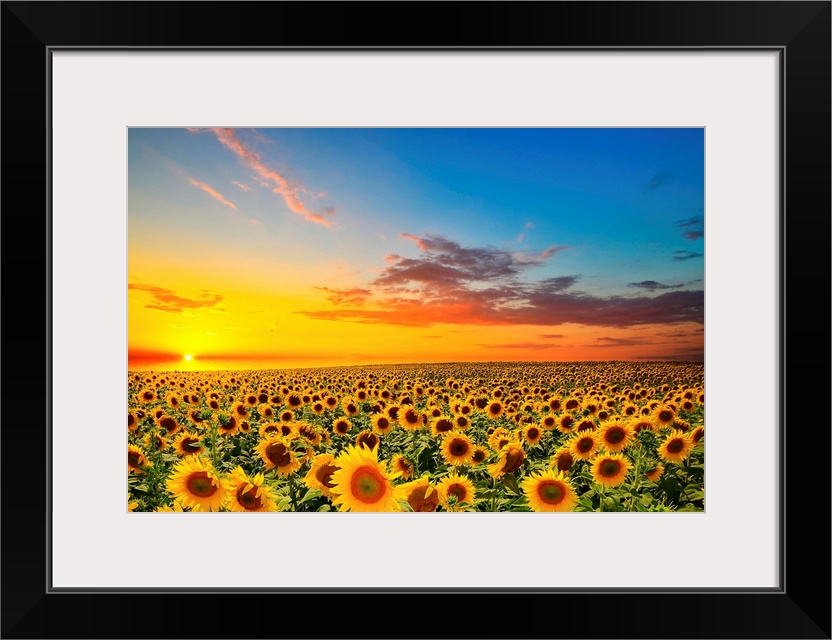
[212, 192]
[242, 186]
[277, 182]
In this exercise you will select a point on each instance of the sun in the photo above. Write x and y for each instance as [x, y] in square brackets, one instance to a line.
[188, 357]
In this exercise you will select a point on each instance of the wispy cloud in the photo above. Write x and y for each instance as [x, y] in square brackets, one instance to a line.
[652, 285]
[242, 186]
[659, 179]
[169, 301]
[278, 183]
[694, 227]
[353, 296]
[686, 255]
[519, 345]
[212, 192]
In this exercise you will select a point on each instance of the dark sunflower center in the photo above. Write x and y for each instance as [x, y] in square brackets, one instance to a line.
[199, 484]
[549, 421]
[533, 433]
[551, 492]
[370, 440]
[479, 455]
[458, 447]
[383, 423]
[675, 445]
[241, 411]
[324, 474]
[278, 454]
[565, 461]
[411, 417]
[133, 458]
[459, 491]
[567, 422]
[191, 445]
[444, 425]
[571, 404]
[249, 500]
[697, 435]
[665, 415]
[585, 444]
[614, 435]
[514, 459]
[341, 427]
[168, 423]
[609, 468]
[270, 428]
[367, 485]
[495, 408]
[147, 395]
[419, 502]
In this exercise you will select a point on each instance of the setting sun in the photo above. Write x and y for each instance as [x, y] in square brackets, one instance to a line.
[188, 357]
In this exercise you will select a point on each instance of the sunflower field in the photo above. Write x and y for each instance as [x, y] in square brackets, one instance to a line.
[561, 436]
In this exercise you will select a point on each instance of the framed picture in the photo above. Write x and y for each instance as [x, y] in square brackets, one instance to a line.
[99, 96]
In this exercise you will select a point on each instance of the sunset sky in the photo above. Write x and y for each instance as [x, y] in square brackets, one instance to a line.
[316, 247]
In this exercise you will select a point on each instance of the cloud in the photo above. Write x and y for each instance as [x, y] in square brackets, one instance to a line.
[694, 226]
[242, 186]
[652, 285]
[619, 342]
[349, 297]
[451, 284]
[551, 336]
[212, 192]
[167, 300]
[269, 177]
[686, 255]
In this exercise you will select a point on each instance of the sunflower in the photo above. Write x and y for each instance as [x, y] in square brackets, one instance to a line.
[168, 423]
[586, 424]
[420, 495]
[548, 422]
[367, 439]
[676, 446]
[610, 469]
[454, 491]
[269, 427]
[350, 406]
[194, 483]
[410, 419]
[239, 410]
[318, 408]
[549, 491]
[382, 424]
[266, 411]
[173, 399]
[137, 460]
[228, 425]
[188, 444]
[342, 426]
[479, 454]
[697, 434]
[461, 422]
[584, 445]
[147, 396]
[248, 493]
[441, 425]
[510, 460]
[287, 416]
[655, 473]
[565, 423]
[309, 433]
[495, 409]
[195, 416]
[320, 474]
[362, 483]
[532, 433]
[615, 435]
[563, 459]
[457, 448]
[402, 465]
[132, 421]
[639, 423]
[664, 415]
[276, 452]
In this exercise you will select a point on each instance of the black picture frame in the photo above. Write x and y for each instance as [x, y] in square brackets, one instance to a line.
[799, 608]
